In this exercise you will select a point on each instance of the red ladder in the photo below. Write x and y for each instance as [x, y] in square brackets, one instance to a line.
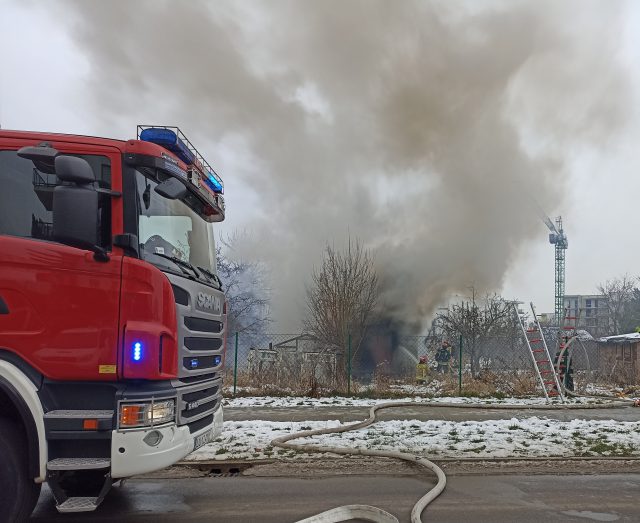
[540, 356]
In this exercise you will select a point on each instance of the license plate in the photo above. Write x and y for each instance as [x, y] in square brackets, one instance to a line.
[203, 439]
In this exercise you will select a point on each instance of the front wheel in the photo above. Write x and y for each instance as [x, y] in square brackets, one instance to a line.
[19, 493]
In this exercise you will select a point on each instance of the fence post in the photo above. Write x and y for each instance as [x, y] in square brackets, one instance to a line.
[349, 367]
[235, 367]
[460, 368]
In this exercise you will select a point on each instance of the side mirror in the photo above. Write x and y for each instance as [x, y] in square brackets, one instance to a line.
[75, 206]
[43, 157]
[171, 188]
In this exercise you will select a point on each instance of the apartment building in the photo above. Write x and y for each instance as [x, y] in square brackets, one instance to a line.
[592, 311]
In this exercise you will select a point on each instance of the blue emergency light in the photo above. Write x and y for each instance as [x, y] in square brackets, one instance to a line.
[174, 140]
[213, 182]
[169, 140]
[137, 351]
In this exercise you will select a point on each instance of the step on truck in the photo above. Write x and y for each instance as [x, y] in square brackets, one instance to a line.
[112, 316]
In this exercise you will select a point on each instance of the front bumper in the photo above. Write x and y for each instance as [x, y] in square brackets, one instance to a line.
[130, 455]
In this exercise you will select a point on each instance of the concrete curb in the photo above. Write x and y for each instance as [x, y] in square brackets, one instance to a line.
[251, 463]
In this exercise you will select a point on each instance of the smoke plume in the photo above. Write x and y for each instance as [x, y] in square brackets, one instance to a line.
[419, 127]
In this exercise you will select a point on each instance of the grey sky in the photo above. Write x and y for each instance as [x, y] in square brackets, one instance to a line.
[569, 78]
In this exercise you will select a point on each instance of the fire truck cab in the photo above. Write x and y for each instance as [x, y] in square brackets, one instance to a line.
[112, 316]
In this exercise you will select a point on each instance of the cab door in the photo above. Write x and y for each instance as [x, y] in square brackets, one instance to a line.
[61, 305]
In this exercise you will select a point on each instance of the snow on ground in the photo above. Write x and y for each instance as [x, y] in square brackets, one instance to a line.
[527, 437]
[602, 390]
[341, 401]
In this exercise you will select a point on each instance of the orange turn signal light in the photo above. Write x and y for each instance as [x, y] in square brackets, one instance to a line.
[90, 424]
[130, 415]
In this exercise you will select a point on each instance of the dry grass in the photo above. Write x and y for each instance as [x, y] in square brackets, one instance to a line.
[252, 384]
[517, 383]
[488, 384]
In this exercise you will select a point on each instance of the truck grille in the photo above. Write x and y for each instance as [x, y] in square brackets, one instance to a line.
[202, 343]
[201, 352]
[203, 325]
[200, 424]
[200, 329]
[198, 401]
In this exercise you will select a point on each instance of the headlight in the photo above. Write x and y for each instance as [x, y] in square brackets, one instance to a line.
[147, 413]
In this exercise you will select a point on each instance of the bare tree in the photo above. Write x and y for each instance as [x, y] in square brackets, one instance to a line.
[478, 320]
[621, 294]
[246, 290]
[343, 295]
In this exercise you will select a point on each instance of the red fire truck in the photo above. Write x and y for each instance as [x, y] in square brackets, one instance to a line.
[112, 316]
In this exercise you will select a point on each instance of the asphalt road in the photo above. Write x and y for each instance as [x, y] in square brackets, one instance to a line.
[495, 499]
[346, 414]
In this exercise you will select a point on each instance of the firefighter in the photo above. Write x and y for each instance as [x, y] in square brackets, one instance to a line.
[422, 370]
[568, 378]
[565, 374]
[443, 357]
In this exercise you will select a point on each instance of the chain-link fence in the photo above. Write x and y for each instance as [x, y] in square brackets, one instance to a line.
[285, 363]
[301, 364]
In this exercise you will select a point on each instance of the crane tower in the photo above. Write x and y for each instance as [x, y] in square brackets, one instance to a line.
[558, 238]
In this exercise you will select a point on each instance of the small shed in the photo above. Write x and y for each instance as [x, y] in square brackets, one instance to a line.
[618, 356]
[297, 357]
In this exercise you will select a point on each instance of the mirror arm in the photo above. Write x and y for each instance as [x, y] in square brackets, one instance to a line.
[99, 254]
[127, 242]
[108, 192]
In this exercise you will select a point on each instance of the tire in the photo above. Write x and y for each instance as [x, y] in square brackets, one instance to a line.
[19, 493]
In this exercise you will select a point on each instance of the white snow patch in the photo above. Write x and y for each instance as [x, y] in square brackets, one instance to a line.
[341, 401]
[517, 437]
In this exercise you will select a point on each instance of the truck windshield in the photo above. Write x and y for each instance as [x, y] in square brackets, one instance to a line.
[171, 235]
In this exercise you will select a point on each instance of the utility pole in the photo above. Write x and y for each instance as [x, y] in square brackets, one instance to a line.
[474, 320]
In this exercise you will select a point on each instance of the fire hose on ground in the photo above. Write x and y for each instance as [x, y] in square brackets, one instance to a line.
[377, 515]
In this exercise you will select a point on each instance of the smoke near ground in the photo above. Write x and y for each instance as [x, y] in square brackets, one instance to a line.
[419, 127]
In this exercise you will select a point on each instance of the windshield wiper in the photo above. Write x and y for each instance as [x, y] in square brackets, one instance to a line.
[211, 276]
[180, 263]
[197, 272]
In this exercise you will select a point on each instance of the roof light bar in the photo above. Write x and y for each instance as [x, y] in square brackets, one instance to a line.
[172, 139]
